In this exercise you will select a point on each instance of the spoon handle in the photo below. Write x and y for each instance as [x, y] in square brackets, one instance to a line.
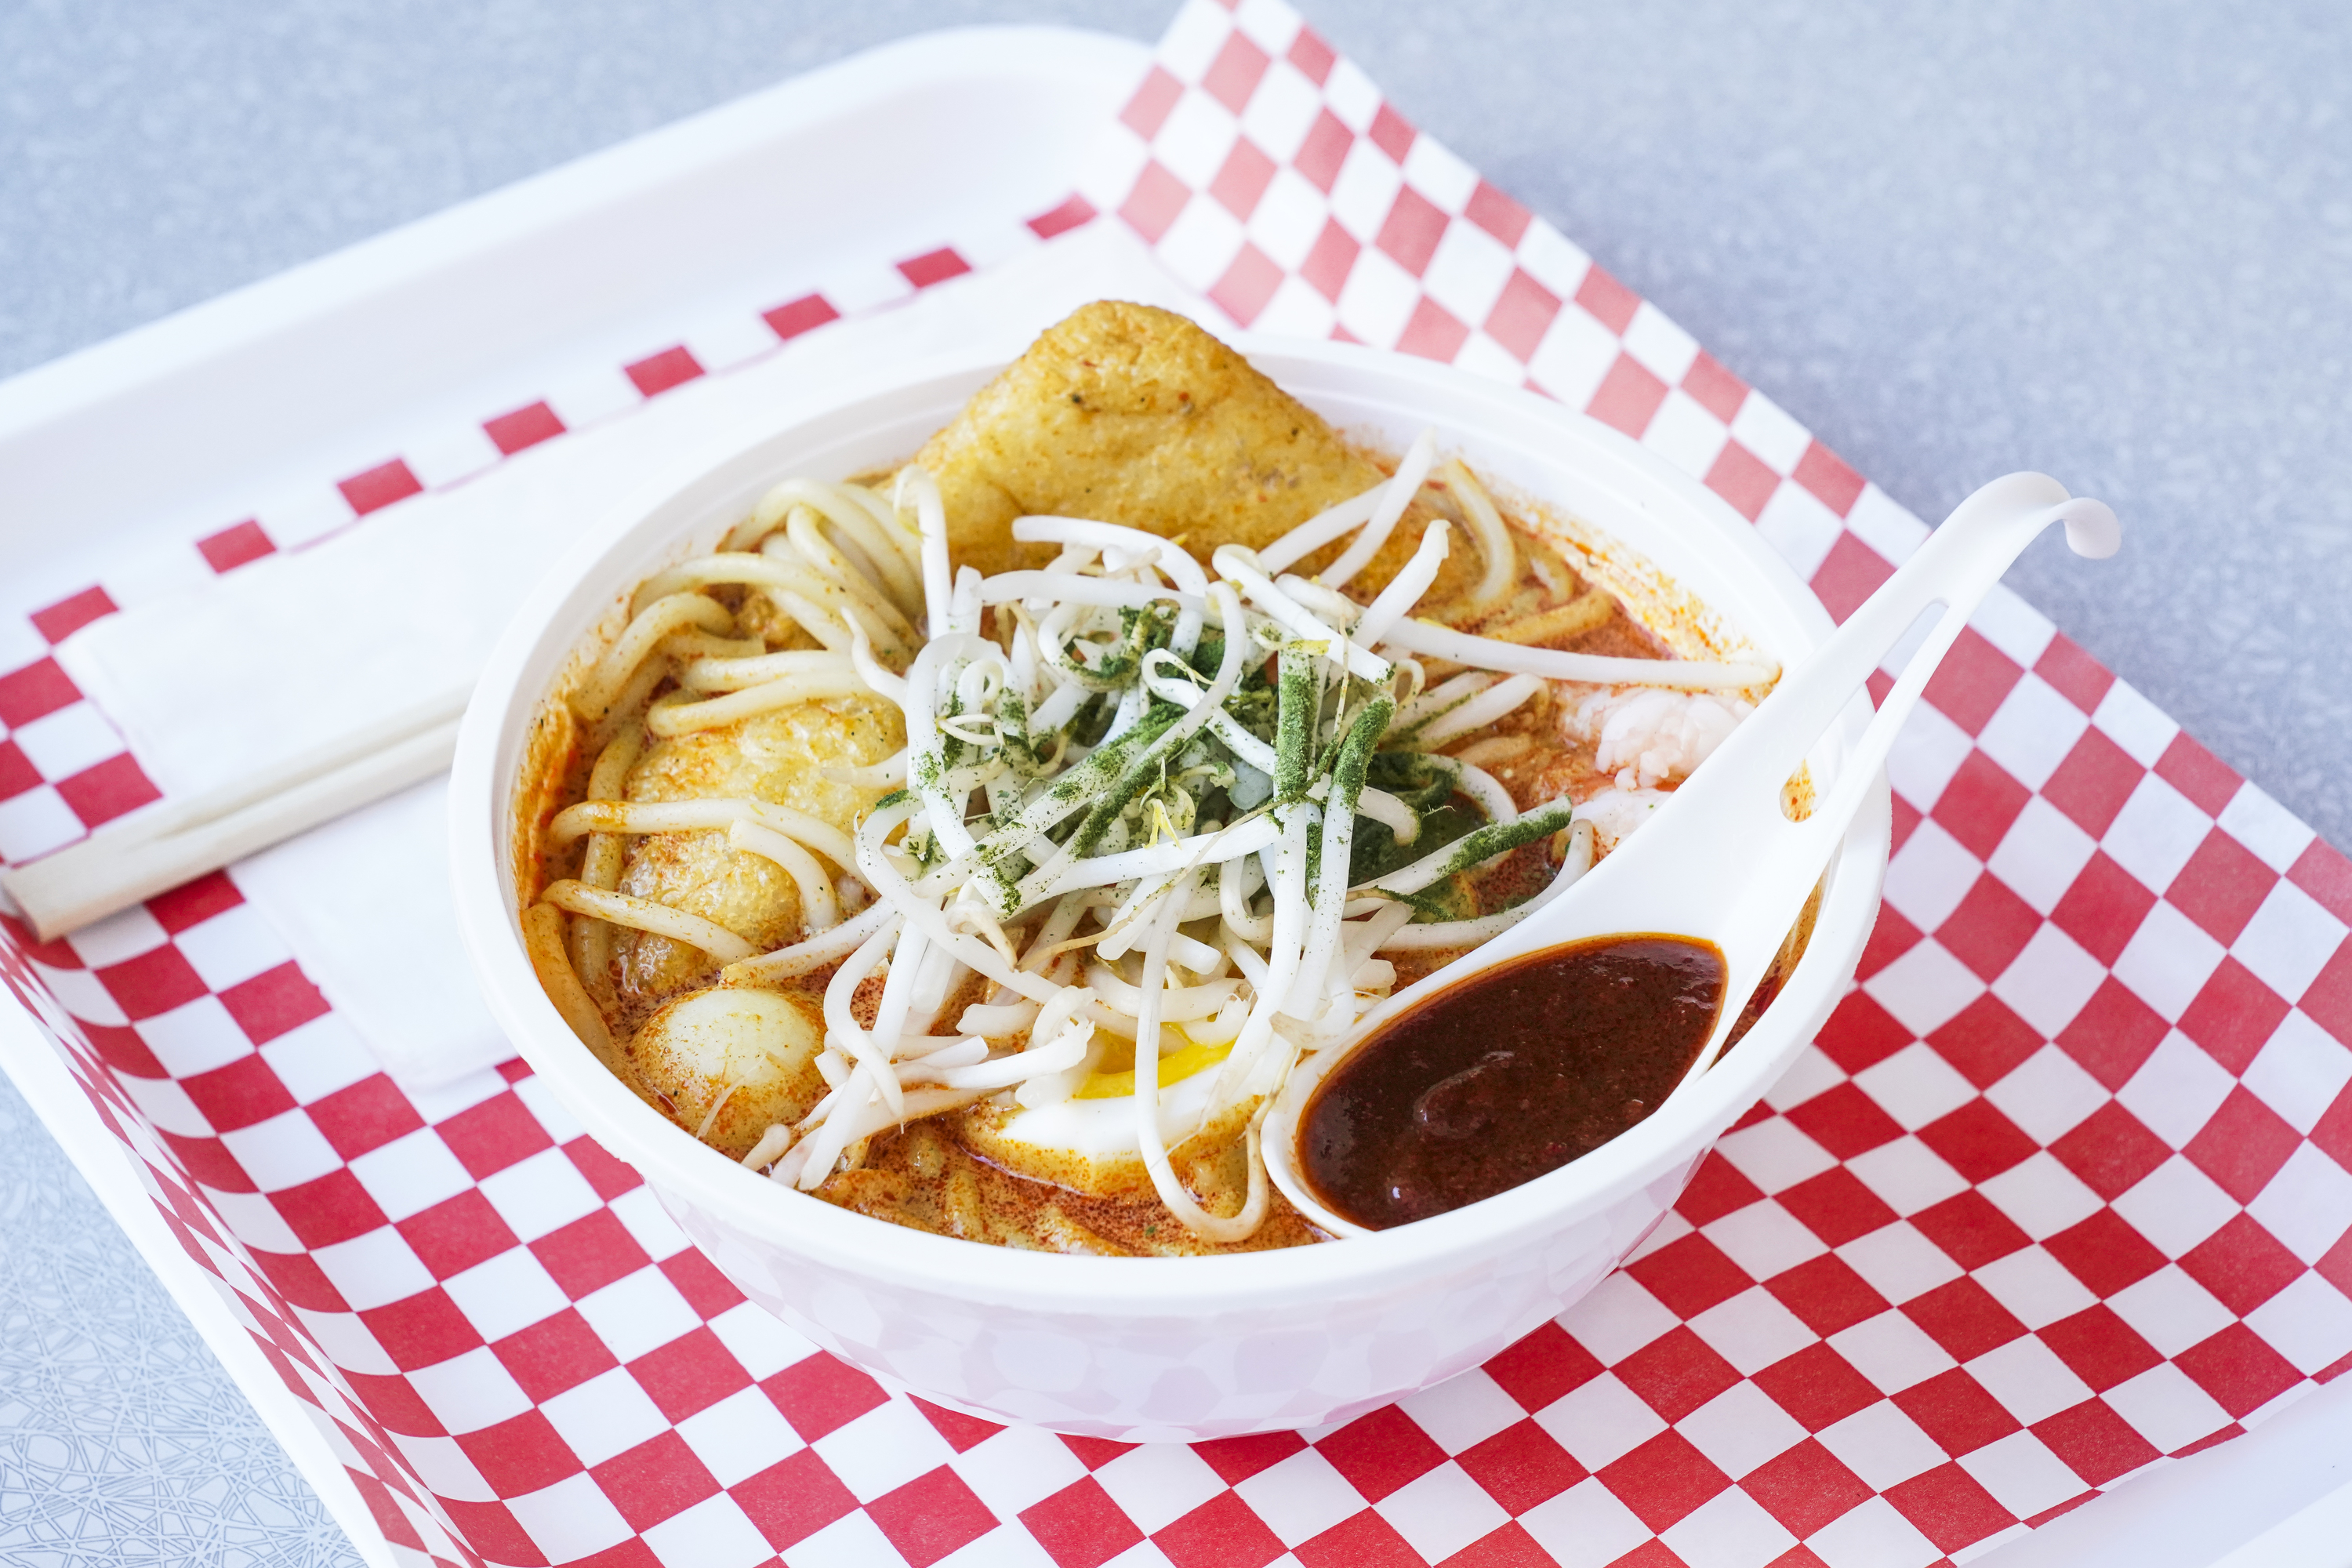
[1722, 860]
[1957, 567]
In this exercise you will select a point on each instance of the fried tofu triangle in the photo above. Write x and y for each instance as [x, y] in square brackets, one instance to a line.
[1133, 415]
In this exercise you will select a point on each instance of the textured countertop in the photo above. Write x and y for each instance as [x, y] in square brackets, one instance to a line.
[2110, 241]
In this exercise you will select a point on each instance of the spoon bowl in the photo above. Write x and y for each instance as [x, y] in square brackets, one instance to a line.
[1722, 862]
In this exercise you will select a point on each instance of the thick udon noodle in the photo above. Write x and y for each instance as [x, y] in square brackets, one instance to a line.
[1134, 796]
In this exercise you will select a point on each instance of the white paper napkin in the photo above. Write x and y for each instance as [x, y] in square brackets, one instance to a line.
[364, 902]
[295, 650]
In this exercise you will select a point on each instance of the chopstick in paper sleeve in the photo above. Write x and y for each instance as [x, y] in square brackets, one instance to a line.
[150, 852]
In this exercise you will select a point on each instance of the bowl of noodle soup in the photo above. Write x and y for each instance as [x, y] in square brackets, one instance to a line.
[1255, 1326]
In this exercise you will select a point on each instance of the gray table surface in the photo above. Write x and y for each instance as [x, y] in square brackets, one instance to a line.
[2112, 241]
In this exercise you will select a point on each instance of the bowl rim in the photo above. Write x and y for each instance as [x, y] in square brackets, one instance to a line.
[683, 1170]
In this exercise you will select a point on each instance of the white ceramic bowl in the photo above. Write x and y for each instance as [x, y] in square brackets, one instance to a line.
[1146, 1349]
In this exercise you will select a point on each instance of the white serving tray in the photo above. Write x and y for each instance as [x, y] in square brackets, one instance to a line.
[225, 410]
[332, 365]
[186, 424]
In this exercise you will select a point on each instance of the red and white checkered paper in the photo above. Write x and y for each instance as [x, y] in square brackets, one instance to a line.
[2062, 1189]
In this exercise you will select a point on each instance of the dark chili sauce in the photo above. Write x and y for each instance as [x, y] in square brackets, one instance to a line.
[1509, 1075]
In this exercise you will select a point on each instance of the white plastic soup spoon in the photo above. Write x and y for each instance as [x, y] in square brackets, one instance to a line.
[1720, 861]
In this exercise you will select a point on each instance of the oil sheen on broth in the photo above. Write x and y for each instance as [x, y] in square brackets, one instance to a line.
[1509, 1075]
